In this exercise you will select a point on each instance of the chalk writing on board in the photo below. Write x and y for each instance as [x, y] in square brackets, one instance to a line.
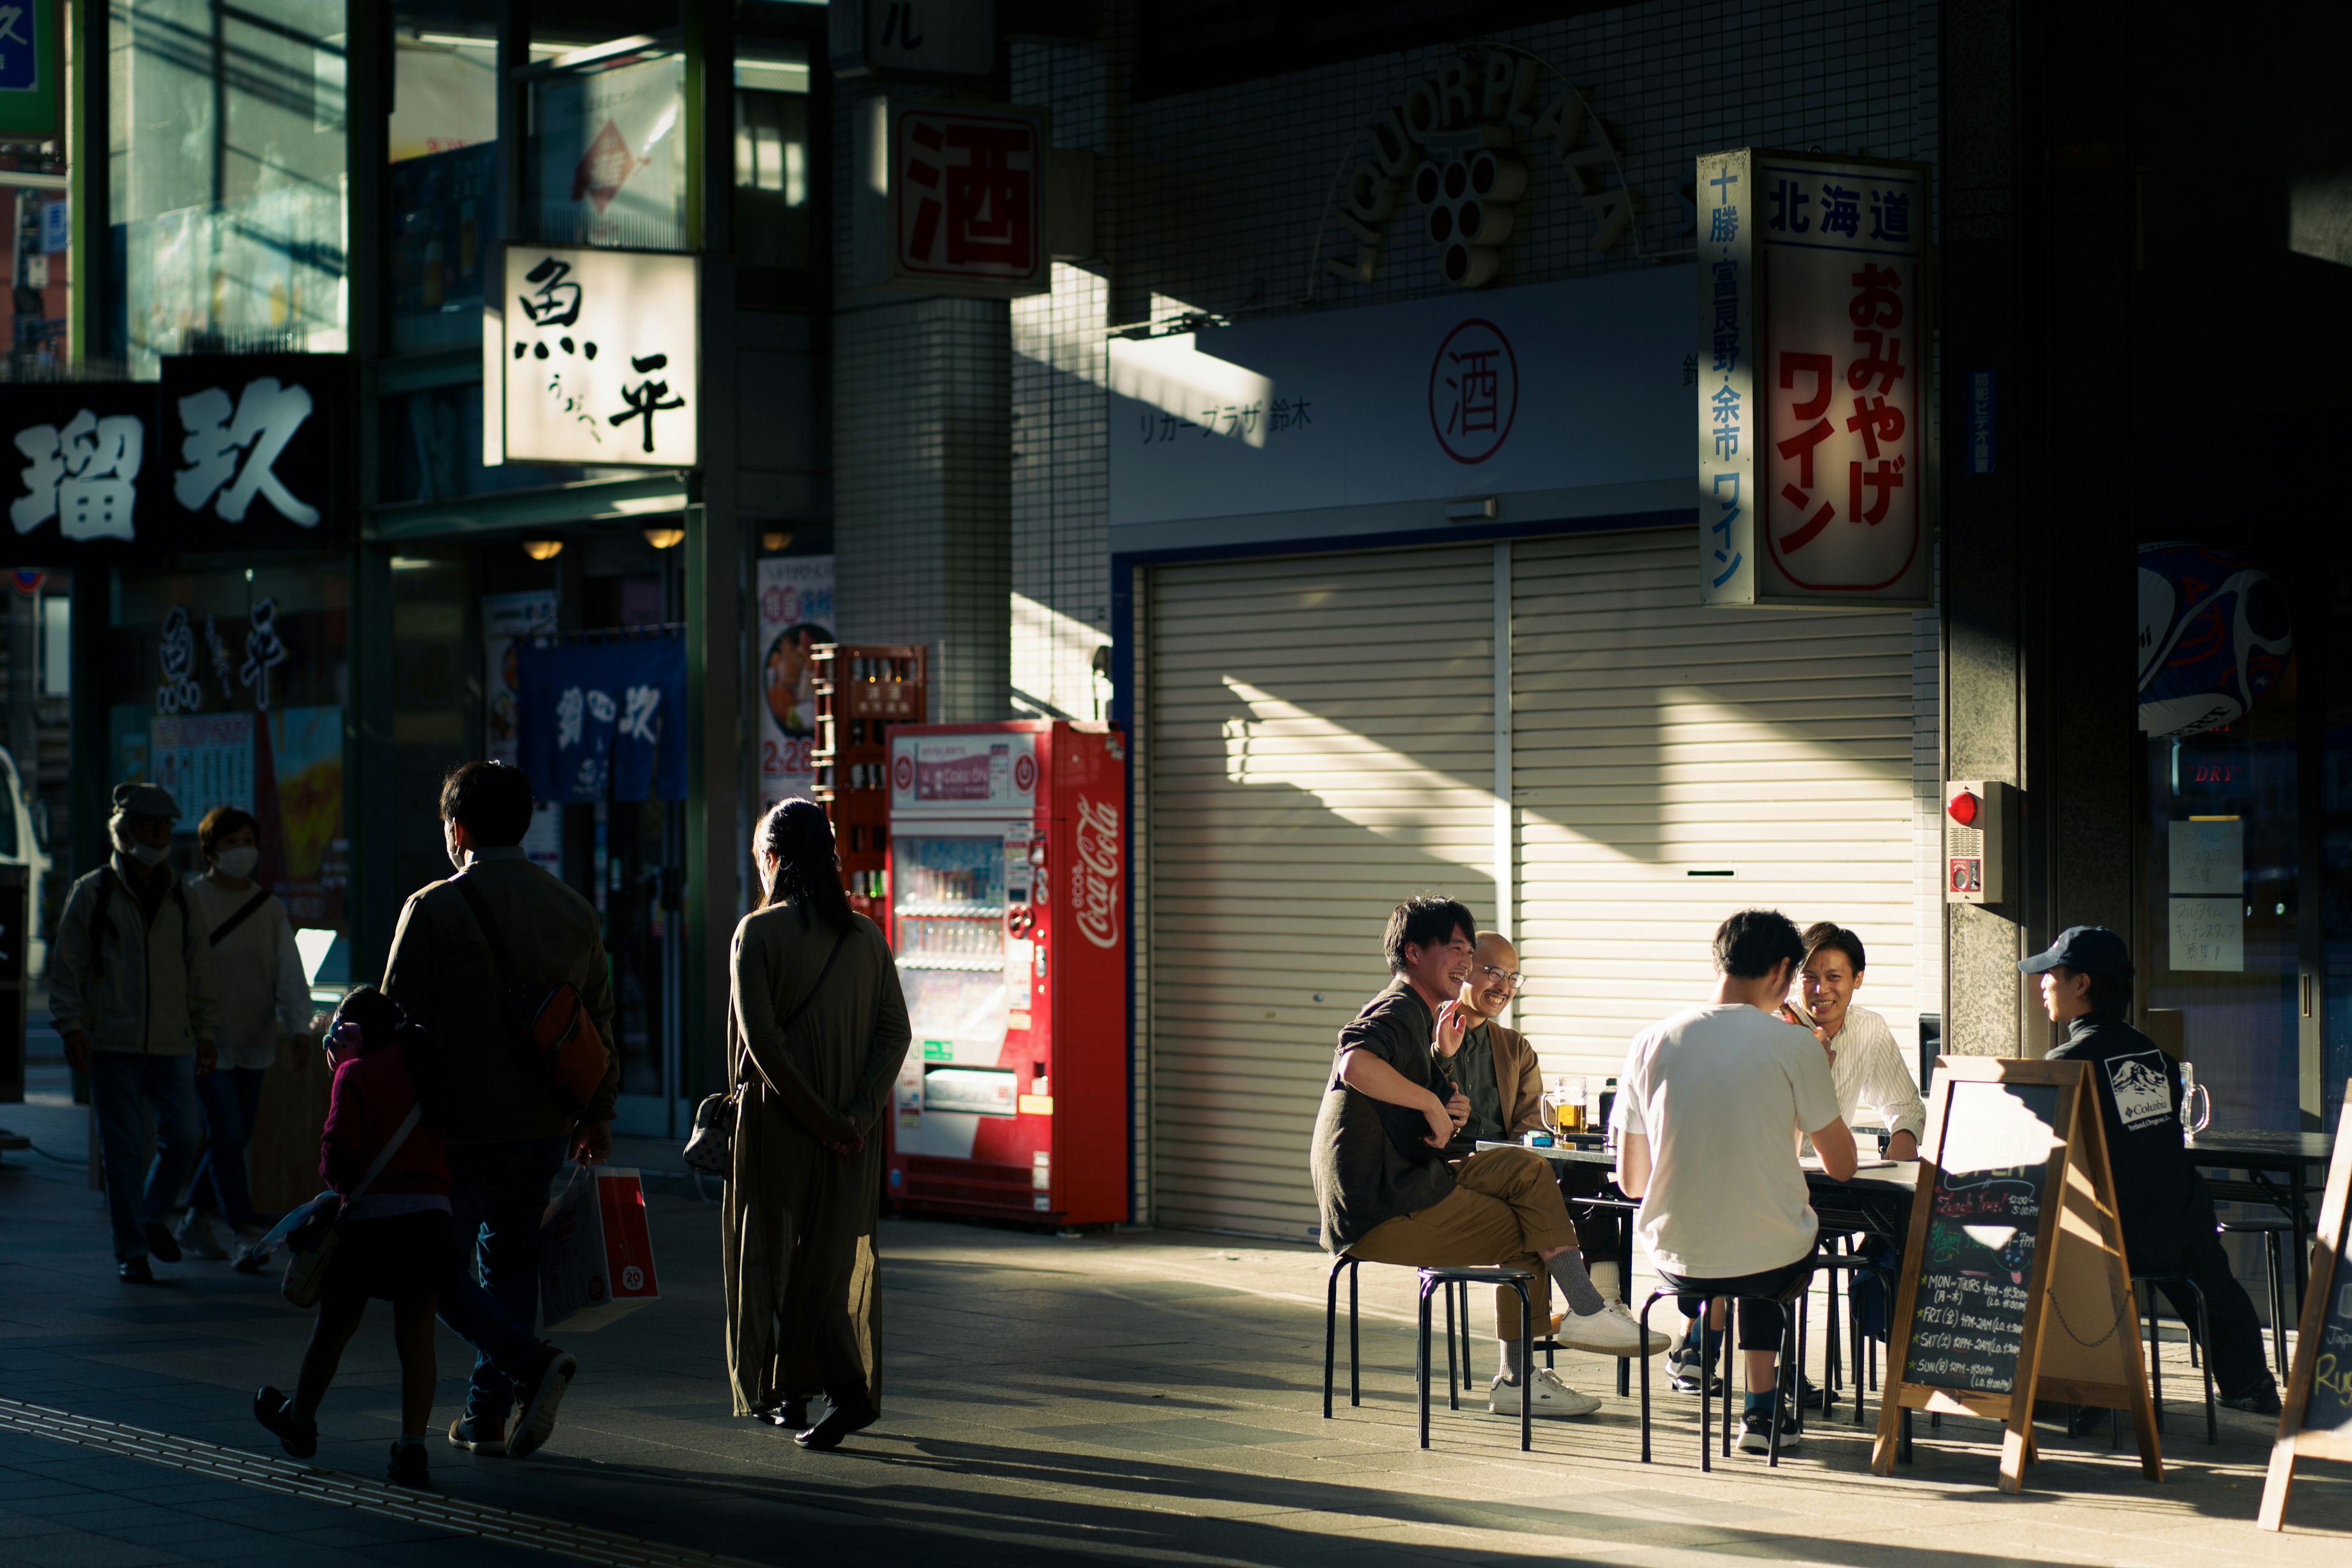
[1969, 1312]
[2329, 1408]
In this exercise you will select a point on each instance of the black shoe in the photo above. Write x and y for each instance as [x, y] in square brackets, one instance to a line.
[161, 1241]
[536, 1420]
[829, 1432]
[2263, 1401]
[134, 1271]
[2081, 1420]
[791, 1415]
[479, 1434]
[1809, 1400]
[1756, 1433]
[408, 1468]
[1688, 1376]
[275, 1411]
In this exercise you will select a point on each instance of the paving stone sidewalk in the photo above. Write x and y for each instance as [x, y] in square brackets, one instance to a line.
[1147, 1396]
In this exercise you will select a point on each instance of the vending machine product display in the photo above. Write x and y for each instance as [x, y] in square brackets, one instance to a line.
[1007, 883]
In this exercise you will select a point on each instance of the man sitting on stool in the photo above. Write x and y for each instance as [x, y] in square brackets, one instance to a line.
[1387, 1194]
[1708, 1108]
[2168, 1211]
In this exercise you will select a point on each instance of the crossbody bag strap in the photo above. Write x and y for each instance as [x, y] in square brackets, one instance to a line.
[741, 1073]
[481, 908]
[407, 1125]
[244, 913]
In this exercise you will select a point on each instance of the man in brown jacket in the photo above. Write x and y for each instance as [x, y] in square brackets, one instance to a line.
[1496, 1071]
[508, 1136]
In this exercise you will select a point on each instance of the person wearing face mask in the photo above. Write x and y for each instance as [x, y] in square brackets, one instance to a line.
[259, 990]
[816, 1029]
[507, 1133]
[129, 990]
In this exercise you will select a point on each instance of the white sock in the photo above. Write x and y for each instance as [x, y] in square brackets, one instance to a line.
[1514, 1360]
[1606, 1278]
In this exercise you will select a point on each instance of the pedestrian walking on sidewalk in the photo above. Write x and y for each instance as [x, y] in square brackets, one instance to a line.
[816, 1030]
[129, 989]
[382, 1155]
[459, 944]
[260, 992]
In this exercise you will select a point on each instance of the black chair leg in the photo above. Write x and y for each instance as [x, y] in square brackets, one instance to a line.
[2155, 1361]
[1452, 1372]
[1421, 1364]
[1527, 1391]
[1855, 1333]
[1730, 1335]
[1644, 1320]
[1330, 1330]
[1792, 1350]
[1355, 1353]
[2278, 1302]
[2204, 1328]
[1469, 1373]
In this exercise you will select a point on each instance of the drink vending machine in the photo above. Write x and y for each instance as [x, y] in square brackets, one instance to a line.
[1008, 892]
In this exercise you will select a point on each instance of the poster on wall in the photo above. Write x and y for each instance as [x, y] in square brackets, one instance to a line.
[509, 619]
[795, 615]
[612, 156]
[306, 758]
[204, 760]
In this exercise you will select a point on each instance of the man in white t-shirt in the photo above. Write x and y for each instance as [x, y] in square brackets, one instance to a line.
[1708, 1110]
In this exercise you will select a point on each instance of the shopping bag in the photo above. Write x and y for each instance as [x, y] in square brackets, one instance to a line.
[596, 1254]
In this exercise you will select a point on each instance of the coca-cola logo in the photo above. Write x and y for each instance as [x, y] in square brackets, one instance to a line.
[1094, 874]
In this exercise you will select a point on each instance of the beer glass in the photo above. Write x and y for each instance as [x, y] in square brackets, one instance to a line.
[2196, 1103]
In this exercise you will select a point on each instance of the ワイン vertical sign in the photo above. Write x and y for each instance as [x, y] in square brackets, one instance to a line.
[1812, 330]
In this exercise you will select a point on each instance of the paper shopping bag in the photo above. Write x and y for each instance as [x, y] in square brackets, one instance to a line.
[597, 1256]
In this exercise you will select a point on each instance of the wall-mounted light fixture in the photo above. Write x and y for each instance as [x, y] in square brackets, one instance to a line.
[542, 549]
[665, 538]
[776, 540]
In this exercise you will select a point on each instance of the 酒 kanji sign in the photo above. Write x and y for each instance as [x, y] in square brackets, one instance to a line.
[225, 452]
[964, 207]
[599, 353]
[1813, 327]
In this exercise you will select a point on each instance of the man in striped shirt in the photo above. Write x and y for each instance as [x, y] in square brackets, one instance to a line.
[1865, 1064]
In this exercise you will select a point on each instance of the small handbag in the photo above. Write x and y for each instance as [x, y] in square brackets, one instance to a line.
[711, 1146]
[311, 1248]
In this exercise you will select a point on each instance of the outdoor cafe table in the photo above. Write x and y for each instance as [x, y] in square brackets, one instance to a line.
[2277, 1171]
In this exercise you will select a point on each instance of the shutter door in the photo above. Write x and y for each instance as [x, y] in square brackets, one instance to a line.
[1320, 743]
[1654, 741]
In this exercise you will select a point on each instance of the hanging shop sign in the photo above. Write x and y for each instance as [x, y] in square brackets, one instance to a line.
[959, 206]
[603, 721]
[225, 452]
[1812, 326]
[795, 594]
[1528, 404]
[1458, 149]
[599, 349]
[2214, 635]
[954, 36]
[32, 71]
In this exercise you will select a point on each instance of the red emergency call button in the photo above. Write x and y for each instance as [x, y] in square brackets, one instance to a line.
[1965, 807]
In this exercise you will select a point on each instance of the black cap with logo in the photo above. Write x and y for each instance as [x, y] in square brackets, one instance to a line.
[2090, 949]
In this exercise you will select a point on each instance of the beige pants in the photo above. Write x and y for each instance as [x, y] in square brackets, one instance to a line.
[1504, 1209]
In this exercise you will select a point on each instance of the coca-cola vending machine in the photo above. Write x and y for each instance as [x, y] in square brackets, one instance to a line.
[1008, 894]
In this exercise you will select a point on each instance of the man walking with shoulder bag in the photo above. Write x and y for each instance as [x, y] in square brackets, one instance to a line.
[467, 947]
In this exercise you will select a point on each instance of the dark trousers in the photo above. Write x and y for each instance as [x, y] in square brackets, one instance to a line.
[123, 1085]
[1597, 1233]
[231, 1097]
[2234, 1334]
[497, 1191]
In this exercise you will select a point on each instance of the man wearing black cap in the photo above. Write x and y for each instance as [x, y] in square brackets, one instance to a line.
[129, 989]
[2168, 1211]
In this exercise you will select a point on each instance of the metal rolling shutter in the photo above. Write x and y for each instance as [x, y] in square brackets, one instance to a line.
[1320, 734]
[1653, 739]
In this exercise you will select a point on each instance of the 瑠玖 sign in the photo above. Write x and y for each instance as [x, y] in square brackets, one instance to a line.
[599, 351]
[1811, 332]
[953, 200]
[225, 452]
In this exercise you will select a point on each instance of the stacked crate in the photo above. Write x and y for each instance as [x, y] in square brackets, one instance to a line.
[862, 689]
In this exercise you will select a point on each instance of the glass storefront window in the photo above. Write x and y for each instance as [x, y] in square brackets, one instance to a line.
[608, 161]
[228, 686]
[227, 178]
[443, 151]
[772, 155]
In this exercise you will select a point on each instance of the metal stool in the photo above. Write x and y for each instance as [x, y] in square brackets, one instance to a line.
[2198, 1335]
[1431, 1281]
[1791, 1366]
[2273, 1232]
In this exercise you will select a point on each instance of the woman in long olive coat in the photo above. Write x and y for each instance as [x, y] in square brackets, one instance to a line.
[817, 1060]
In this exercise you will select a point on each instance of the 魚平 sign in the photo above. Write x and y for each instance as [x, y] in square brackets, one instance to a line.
[599, 350]
[32, 69]
[953, 197]
[1812, 331]
[1550, 401]
[1452, 147]
[225, 452]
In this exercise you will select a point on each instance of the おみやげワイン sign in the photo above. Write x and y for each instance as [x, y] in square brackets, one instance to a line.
[597, 352]
[1812, 330]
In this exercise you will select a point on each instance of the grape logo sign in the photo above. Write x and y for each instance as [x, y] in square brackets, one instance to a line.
[1095, 876]
[1473, 391]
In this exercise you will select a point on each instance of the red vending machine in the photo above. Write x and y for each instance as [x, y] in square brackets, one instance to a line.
[1008, 893]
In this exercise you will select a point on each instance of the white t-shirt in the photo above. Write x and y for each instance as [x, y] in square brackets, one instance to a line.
[1720, 1091]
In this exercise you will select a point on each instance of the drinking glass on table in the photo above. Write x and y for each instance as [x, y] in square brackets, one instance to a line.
[2196, 1103]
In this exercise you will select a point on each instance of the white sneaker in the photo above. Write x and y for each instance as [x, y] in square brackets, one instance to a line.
[1610, 1331]
[195, 1234]
[1553, 1397]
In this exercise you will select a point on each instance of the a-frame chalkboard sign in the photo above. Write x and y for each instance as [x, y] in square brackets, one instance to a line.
[2315, 1415]
[2009, 1296]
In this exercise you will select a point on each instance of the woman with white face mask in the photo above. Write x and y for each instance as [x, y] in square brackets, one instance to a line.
[258, 986]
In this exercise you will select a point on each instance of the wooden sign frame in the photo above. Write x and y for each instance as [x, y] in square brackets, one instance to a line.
[2078, 1248]
[2292, 1442]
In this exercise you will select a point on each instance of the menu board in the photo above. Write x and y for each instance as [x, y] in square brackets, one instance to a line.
[2329, 1406]
[1968, 1315]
